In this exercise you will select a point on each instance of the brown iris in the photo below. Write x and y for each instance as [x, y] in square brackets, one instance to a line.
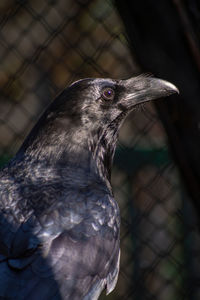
[108, 94]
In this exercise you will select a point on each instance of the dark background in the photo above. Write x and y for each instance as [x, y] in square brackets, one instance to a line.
[47, 44]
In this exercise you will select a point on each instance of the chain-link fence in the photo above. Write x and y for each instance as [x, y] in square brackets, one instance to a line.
[45, 45]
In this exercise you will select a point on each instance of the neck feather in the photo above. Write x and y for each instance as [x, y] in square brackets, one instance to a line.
[74, 149]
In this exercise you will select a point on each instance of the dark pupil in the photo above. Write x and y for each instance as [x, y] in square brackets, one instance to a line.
[108, 93]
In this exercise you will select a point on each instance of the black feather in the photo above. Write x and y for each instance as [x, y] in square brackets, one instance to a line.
[59, 222]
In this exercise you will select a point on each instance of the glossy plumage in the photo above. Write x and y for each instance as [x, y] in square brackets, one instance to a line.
[59, 222]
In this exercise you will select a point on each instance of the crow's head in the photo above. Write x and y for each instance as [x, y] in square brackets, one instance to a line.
[83, 121]
[99, 102]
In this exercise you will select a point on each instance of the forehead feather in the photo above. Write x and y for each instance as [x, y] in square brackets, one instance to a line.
[101, 82]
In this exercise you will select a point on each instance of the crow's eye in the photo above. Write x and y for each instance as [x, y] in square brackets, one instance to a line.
[108, 94]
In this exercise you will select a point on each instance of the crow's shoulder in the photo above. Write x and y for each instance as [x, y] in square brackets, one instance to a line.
[75, 230]
[51, 210]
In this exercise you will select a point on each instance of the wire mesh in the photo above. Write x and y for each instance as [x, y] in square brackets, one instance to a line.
[47, 44]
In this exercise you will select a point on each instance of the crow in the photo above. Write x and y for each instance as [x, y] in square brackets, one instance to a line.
[59, 222]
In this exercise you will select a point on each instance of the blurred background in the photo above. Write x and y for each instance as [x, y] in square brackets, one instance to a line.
[47, 44]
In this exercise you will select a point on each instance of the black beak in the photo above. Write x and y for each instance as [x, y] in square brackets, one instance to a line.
[142, 88]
